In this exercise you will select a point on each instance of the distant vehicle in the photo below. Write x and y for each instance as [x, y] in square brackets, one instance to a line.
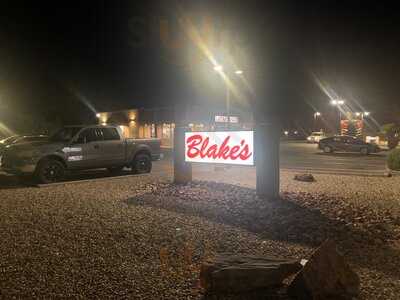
[315, 137]
[17, 139]
[293, 135]
[347, 144]
[9, 140]
[80, 148]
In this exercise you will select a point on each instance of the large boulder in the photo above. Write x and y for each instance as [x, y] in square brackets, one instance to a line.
[304, 177]
[240, 273]
[326, 275]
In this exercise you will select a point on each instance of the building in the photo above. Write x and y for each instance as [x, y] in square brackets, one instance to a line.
[160, 122]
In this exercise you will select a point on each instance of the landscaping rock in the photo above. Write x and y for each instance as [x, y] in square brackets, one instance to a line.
[325, 276]
[240, 273]
[304, 177]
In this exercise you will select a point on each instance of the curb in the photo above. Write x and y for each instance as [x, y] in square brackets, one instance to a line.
[89, 180]
[381, 173]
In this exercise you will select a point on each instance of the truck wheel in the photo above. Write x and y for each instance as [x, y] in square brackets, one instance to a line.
[49, 171]
[142, 164]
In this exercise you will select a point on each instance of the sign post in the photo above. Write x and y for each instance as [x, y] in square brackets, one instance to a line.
[182, 169]
[267, 160]
[243, 148]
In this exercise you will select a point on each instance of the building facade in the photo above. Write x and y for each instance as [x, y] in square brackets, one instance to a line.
[160, 122]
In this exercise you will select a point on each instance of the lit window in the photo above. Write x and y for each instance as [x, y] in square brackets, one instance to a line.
[166, 131]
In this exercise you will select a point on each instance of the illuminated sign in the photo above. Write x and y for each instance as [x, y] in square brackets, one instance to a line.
[224, 119]
[224, 147]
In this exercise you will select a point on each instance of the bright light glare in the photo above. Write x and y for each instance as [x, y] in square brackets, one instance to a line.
[239, 72]
[358, 114]
[286, 132]
[218, 68]
[98, 115]
[366, 113]
[317, 113]
[337, 102]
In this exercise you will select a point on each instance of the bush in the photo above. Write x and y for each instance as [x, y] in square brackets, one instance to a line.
[393, 161]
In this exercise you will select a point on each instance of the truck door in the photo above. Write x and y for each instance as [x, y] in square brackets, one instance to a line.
[112, 147]
[88, 142]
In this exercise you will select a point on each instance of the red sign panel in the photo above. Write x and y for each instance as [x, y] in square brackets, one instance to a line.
[224, 147]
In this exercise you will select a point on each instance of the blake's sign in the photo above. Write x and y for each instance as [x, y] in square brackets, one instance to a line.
[224, 147]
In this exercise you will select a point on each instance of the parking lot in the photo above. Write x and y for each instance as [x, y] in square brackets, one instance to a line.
[297, 156]
[308, 156]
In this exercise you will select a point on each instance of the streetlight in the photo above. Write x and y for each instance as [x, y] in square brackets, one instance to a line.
[338, 103]
[316, 115]
[220, 68]
[363, 114]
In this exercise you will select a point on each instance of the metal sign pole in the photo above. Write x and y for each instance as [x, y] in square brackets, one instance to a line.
[267, 160]
[182, 169]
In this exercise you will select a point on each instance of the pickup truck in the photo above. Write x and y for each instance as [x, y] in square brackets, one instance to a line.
[80, 148]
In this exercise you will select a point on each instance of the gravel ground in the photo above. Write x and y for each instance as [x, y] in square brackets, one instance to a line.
[380, 193]
[86, 240]
[143, 238]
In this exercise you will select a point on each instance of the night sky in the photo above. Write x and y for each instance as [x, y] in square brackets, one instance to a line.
[65, 60]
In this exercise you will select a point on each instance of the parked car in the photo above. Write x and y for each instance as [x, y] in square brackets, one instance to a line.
[80, 148]
[7, 141]
[17, 139]
[315, 137]
[347, 144]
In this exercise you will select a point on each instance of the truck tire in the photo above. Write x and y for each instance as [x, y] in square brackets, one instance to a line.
[142, 164]
[49, 171]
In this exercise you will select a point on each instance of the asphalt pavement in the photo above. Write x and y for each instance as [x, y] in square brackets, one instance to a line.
[300, 155]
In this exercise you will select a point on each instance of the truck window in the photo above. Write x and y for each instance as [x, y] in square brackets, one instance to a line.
[110, 134]
[65, 134]
[89, 135]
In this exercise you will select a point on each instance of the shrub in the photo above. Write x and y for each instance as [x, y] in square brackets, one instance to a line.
[393, 161]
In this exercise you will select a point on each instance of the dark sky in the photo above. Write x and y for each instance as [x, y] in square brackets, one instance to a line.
[108, 54]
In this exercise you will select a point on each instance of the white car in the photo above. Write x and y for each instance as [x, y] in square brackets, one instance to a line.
[315, 137]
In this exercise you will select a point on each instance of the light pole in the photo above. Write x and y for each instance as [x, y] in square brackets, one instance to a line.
[220, 69]
[338, 103]
[316, 115]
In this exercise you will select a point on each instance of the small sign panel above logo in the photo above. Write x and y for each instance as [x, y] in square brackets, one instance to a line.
[224, 119]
